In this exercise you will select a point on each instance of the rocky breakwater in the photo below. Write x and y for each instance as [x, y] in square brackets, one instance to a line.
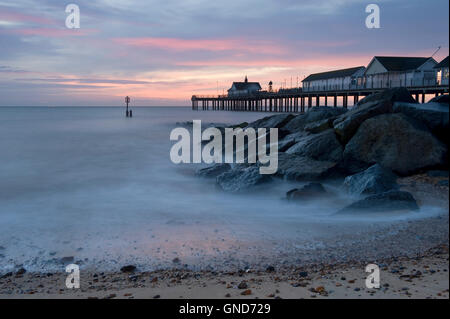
[385, 136]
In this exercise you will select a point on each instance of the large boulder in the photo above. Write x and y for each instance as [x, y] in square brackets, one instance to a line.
[385, 202]
[374, 180]
[307, 192]
[347, 124]
[434, 115]
[395, 142]
[322, 147]
[392, 95]
[320, 126]
[213, 170]
[315, 114]
[441, 99]
[241, 178]
[273, 121]
[302, 168]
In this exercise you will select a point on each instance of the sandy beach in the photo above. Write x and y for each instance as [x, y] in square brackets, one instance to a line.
[422, 277]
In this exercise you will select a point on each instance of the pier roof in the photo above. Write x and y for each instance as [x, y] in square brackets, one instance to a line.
[442, 64]
[398, 63]
[332, 74]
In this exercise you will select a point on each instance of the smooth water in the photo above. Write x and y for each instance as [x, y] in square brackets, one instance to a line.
[90, 183]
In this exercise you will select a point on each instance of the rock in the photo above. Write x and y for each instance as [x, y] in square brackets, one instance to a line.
[437, 173]
[241, 178]
[21, 271]
[128, 268]
[322, 147]
[435, 116]
[315, 114]
[242, 125]
[395, 142]
[270, 269]
[443, 182]
[441, 99]
[320, 126]
[8, 274]
[303, 274]
[67, 260]
[388, 201]
[214, 170]
[373, 180]
[307, 192]
[392, 95]
[176, 260]
[302, 168]
[273, 121]
[156, 296]
[375, 104]
[246, 292]
[243, 285]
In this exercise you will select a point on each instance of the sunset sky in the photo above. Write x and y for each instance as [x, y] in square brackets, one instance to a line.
[162, 52]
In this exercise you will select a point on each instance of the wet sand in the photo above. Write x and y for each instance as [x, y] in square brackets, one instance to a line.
[425, 276]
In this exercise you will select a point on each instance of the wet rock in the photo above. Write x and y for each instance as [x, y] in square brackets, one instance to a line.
[395, 142]
[302, 168]
[315, 114]
[21, 271]
[307, 192]
[214, 170]
[320, 126]
[303, 274]
[243, 285]
[347, 124]
[246, 292]
[128, 268]
[392, 95]
[443, 183]
[273, 121]
[8, 274]
[373, 180]
[384, 202]
[241, 178]
[434, 116]
[67, 260]
[322, 147]
[270, 269]
[435, 173]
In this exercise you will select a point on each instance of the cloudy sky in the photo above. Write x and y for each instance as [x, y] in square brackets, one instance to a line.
[161, 52]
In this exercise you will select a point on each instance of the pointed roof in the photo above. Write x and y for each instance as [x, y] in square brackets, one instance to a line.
[442, 64]
[399, 63]
[245, 85]
[333, 74]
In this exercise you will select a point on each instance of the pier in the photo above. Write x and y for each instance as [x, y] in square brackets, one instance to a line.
[298, 101]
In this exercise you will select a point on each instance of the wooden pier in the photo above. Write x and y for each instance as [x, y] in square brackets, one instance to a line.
[298, 101]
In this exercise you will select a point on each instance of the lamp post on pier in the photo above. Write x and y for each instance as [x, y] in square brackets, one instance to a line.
[127, 101]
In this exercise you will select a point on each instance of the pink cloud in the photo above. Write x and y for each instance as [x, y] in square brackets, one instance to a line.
[54, 33]
[24, 18]
[177, 44]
